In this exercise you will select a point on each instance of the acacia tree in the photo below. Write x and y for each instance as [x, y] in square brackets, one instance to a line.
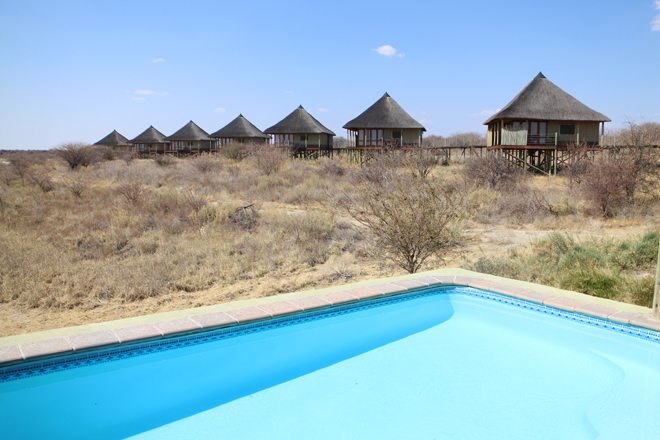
[408, 218]
[76, 154]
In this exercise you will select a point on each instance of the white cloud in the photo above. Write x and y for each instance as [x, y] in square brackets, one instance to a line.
[219, 110]
[323, 109]
[425, 121]
[485, 112]
[150, 92]
[157, 60]
[655, 24]
[401, 55]
[386, 50]
[137, 98]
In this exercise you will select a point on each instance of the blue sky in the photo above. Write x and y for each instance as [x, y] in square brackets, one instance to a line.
[76, 70]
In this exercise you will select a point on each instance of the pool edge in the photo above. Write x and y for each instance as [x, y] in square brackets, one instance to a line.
[13, 351]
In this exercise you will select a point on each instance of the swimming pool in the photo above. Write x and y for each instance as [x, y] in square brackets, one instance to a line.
[437, 363]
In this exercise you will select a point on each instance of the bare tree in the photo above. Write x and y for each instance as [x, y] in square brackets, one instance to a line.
[409, 219]
[76, 184]
[234, 151]
[21, 165]
[205, 163]
[76, 154]
[267, 159]
[131, 186]
[43, 180]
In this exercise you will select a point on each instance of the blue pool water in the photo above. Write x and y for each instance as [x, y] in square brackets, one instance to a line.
[446, 363]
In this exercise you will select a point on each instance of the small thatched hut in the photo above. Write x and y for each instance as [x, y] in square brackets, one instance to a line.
[544, 115]
[240, 131]
[115, 140]
[385, 122]
[151, 141]
[301, 130]
[189, 139]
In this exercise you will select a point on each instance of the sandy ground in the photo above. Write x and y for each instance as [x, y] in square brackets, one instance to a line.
[486, 241]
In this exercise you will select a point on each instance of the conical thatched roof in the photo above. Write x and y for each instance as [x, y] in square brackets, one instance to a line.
[114, 139]
[189, 132]
[541, 99]
[150, 136]
[384, 113]
[298, 122]
[240, 128]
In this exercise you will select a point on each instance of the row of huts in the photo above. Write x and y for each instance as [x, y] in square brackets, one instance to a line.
[540, 121]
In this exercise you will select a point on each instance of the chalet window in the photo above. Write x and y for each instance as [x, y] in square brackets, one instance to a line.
[396, 134]
[567, 129]
[241, 141]
[303, 137]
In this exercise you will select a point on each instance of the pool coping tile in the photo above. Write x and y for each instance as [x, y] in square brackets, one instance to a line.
[388, 288]
[177, 326]
[646, 321]
[363, 292]
[310, 302]
[248, 314]
[337, 297]
[93, 339]
[412, 283]
[595, 310]
[533, 296]
[566, 304]
[216, 319]
[280, 308]
[10, 353]
[428, 280]
[45, 347]
[623, 317]
[137, 332]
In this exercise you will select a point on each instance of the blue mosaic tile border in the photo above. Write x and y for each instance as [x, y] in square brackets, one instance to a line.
[646, 334]
[72, 361]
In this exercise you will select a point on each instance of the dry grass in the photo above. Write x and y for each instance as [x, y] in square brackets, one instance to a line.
[147, 236]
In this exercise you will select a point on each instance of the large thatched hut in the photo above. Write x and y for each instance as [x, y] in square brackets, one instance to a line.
[385, 122]
[189, 139]
[301, 130]
[151, 141]
[114, 140]
[240, 131]
[542, 114]
[543, 127]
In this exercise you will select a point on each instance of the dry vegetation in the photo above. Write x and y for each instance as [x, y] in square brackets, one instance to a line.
[107, 239]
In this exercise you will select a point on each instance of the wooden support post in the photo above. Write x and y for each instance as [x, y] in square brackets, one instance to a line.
[555, 163]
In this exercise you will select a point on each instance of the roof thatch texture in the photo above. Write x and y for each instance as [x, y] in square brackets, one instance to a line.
[189, 132]
[541, 99]
[384, 113]
[114, 139]
[298, 122]
[240, 128]
[150, 136]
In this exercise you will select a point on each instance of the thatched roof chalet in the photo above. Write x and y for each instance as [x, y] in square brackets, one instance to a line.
[189, 132]
[544, 115]
[384, 113]
[114, 139]
[384, 122]
[190, 138]
[150, 140]
[240, 128]
[301, 130]
[150, 136]
[543, 100]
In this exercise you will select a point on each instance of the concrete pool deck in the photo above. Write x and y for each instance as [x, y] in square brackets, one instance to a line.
[69, 340]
